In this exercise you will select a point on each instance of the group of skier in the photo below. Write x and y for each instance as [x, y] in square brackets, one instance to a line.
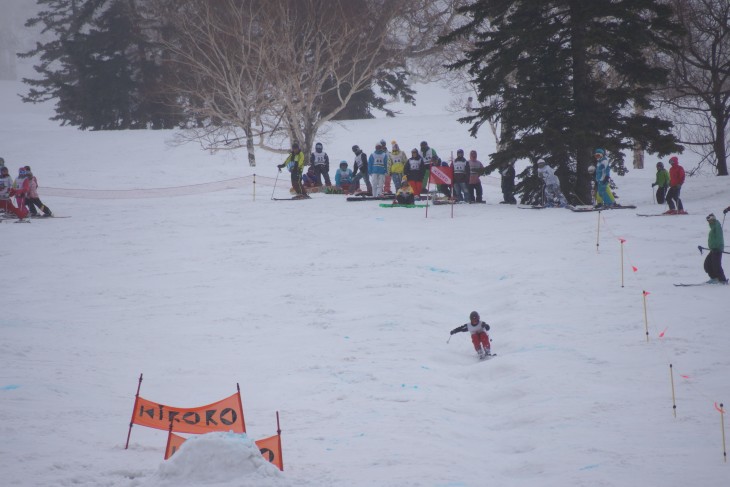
[25, 190]
[669, 185]
[386, 172]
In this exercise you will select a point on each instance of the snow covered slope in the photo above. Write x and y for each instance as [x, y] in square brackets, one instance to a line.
[337, 315]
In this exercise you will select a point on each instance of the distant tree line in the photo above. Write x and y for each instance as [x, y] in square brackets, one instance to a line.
[554, 79]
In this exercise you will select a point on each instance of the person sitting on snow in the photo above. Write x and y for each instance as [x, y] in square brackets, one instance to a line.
[343, 177]
[404, 195]
[553, 195]
[479, 337]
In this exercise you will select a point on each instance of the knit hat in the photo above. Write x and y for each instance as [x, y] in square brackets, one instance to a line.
[599, 151]
[710, 217]
[673, 160]
[343, 163]
[660, 164]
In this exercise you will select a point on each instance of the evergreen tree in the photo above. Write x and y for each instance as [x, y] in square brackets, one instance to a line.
[99, 67]
[547, 64]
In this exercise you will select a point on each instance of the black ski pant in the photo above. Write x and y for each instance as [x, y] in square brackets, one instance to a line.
[322, 170]
[713, 265]
[33, 203]
[661, 194]
[673, 198]
[476, 192]
[296, 181]
[405, 199]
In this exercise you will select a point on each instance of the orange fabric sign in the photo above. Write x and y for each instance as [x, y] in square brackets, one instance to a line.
[224, 415]
[269, 447]
[173, 444]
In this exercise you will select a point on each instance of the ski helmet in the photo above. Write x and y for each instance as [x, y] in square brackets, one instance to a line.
[541, 162]
[3, 169]
[424, 144]
[673, 160]
[600, 152]
[318, 147]
[460, 151]
[660, 165]
[473, 315]
[295, 145]
[343, 164]
[414, 151]
[710, 217]
[355, 149]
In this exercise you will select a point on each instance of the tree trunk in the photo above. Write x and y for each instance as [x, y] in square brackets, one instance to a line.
[720, 151]
[582, 102]
[638, 146]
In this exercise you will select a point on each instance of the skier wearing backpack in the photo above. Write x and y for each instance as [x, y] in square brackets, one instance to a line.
[479, 337]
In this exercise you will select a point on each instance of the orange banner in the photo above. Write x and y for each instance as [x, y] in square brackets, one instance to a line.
[270, 448]
[224, 415]
[173, 444]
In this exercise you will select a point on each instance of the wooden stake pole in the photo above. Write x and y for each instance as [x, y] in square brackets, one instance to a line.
[722, 425]
[254, 186]
[622, 262]
[674, 401]
[646, 321]
[598, 231]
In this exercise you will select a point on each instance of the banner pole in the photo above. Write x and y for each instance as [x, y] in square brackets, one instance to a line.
[622, 262]
[134, 409]
[674, 401]
[240, 406]
[646, 321]
[453, 197]
[169, 439]
[428, 193]
[278, 432]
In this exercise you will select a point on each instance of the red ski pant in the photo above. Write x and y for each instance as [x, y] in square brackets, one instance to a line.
[416, 186]
[7, 205]
[480, 340]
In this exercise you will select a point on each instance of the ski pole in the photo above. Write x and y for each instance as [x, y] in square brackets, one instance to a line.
[701, 248]
[447, 341]
[653, 196]
[275, 180]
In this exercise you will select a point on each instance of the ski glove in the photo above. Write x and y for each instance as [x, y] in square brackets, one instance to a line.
[724, 212]
[653, 184]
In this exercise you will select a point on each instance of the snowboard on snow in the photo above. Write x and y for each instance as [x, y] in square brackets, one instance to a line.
[582, 209]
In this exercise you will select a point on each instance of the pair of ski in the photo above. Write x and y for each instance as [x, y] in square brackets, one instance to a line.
[699, 284]
[662, 214]
[449, 202]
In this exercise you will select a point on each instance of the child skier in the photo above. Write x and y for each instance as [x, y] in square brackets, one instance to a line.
[405, 195]
[479, 337]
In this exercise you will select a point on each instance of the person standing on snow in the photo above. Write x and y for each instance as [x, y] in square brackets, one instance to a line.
[320, 161]
[295, 163]
[676, 180]
[32, 200]
[460, 168]
[716, 244]
[414, 170]
[428, 154]
[396, 163]
[6, 185]
[479, 337]
[475, 171]
[553, 195]
[360, 171]
[378, 167]
[662, 181]
[508, 184]
[603, 179]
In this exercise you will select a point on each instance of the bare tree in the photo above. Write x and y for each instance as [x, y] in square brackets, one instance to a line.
[218, 59]
[699, 90]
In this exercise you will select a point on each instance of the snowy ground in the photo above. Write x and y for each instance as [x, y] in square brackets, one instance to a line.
[337, 315]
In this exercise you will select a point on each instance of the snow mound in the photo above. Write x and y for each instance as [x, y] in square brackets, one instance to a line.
[218, 459]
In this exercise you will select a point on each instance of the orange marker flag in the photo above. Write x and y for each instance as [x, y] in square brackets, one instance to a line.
[661, 335]
[722, 411]
[646, 293]
[634, 268]
[622, 240]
